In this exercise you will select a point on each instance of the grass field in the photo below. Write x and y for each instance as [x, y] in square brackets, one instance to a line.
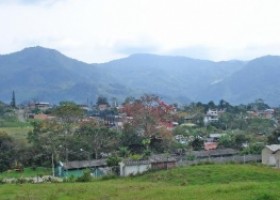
[211, 182]
[19, 133]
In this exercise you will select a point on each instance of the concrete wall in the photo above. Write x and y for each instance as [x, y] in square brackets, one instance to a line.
[268, 158]
[277, 156]
[133, 169]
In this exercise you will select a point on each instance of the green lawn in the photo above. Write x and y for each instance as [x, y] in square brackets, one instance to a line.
[210, 182]
[19, 133]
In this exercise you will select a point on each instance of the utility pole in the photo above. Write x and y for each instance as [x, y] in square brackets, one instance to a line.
[52, 166]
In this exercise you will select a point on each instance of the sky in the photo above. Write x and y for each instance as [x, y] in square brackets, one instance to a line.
[97, 31]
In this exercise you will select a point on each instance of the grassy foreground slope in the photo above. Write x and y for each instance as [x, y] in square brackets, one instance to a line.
[211, 182]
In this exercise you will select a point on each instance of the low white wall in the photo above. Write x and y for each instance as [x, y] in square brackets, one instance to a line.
[133, 169]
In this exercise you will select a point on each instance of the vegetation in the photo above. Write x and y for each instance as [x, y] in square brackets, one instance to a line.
[219, 182]
[27, 172]
[74, 134]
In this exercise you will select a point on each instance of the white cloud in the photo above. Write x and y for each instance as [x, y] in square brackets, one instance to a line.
[96, 31]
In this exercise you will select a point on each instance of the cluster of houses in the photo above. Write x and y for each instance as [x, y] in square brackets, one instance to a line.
[270, 154]
[209, 143]
[266, 114]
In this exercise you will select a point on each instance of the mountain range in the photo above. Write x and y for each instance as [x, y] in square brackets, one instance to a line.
[41, 74]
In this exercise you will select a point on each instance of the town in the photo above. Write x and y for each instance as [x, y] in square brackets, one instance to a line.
[109, 138]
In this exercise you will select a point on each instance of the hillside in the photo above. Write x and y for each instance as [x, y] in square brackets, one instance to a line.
[175, 79]
[47, 75]
[258, 79]
[219, 182]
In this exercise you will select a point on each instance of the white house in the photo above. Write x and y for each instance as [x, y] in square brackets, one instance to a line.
[211, 116]
[271, 155]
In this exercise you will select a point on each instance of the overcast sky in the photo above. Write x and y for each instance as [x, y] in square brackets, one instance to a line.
[102, 30]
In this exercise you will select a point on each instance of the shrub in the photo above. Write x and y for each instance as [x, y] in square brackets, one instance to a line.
[109, 177]
[86, 177]
[2, 181]
[265, 197]
[69, 179]
[21, 180]
[191, 157]
[136, 157]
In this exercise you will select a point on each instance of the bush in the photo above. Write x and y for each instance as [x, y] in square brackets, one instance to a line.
[147, 153]
[86, 177]
[191, 157]
[113, 160]
[136, 157]
[265, 197]
[2, 181]
[109, 177]
[69, 179]
[21, 181]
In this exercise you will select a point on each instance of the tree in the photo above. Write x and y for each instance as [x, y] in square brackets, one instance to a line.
[113, 161]
[13, 102]
[197, 144]
[226, 120]
[46, 139]
[150, 117]
[226, 141]
[124, 152]
[147, 114]
[131, 139]
[259, 104]
[68, 113]
[195, 113]
[240, 139]
[7, 151]
[96, 137]
[101, 100]
[223, 104]
[211, 105]
[274, 138]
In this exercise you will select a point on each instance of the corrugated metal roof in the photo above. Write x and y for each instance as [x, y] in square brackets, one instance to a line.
[217, 152]
[273, 147]
[129, 162]
[161, 158]
[84, 164]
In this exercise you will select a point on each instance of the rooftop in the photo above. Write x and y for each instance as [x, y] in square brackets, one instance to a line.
[84, 164]
[273, 147]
